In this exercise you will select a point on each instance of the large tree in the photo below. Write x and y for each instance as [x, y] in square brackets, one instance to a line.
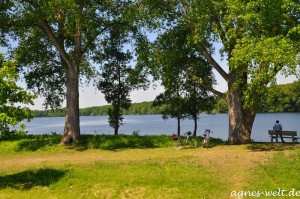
[55, 40]
[259, 39]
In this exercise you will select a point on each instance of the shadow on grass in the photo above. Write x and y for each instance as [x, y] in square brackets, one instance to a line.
[31, 178]
[113, 142]
[272, 146]
[106, 142]
[34, 143]
[213, 142]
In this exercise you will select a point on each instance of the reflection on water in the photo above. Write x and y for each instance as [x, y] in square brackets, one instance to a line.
[155, 125]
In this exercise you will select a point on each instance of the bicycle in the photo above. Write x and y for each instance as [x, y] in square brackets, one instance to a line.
[186, 139]
[206, 138]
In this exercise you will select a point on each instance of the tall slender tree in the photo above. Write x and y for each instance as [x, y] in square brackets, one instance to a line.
[173, 61]
[115, 71]
[172, 99]
[197, 100]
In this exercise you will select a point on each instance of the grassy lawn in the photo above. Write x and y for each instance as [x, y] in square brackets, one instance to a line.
[145, 168]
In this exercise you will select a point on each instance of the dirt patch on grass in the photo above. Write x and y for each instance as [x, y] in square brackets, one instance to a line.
[19, 161]
[220, 156]
[232, 164]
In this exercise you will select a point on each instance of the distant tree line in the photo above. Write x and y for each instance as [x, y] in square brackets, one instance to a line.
[143, 108]
[280, 98]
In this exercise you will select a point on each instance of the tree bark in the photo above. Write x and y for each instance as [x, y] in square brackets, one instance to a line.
[195, 126]
[178, 126]
[72, 121]
[240, 119]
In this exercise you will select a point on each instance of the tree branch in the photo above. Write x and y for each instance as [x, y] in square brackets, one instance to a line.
[47, 29]
[202, 49]
[78, 47]
[204, 85]
[44, 25]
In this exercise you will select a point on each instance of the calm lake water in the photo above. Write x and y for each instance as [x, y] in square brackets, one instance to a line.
[155, 125]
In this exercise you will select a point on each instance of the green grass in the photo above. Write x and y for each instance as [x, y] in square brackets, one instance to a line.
[283, 172]
[128, 179]
[142, 167]
[106, 142]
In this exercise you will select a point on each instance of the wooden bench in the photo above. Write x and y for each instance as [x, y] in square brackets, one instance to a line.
[274, 134]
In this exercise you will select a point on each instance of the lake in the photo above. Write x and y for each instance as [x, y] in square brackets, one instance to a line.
[155, 125]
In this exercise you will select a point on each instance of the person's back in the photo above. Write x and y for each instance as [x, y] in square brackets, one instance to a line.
[277, 126]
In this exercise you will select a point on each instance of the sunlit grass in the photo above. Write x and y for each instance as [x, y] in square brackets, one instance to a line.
[131, 168]
[281, 173]
[181, 177]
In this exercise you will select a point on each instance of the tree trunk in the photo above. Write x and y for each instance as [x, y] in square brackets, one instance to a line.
[116, 130]
[195, 126]
[178, 126]
[240, 120]
[72, 127]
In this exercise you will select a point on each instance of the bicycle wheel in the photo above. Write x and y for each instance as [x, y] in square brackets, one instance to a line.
[177, 145]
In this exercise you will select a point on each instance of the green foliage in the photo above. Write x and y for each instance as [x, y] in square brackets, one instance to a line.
[43, 143]
[10, 95]
[175, 61]
[29, 143]
[142, 108]
[220, 106]
[107, 142]
[57, 44]
[53, 113]
[282, 98]
[111, 142]
[114, 83]
[22, 130]
[258, 39]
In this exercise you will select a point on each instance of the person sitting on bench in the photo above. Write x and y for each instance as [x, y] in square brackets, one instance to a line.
[277, 127]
